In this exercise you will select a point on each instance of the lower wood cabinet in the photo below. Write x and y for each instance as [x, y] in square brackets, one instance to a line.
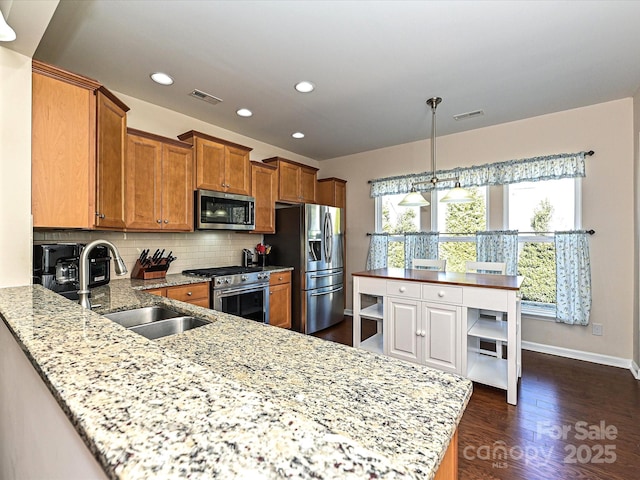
[280, 299]
[193, 293]
[426, 333]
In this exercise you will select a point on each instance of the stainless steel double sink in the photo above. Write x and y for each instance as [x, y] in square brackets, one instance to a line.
[156, 321]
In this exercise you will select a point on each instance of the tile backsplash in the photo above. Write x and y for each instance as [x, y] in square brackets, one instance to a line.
[198, 249]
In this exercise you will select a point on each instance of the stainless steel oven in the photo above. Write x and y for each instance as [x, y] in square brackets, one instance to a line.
[248, 301]
[240, 291]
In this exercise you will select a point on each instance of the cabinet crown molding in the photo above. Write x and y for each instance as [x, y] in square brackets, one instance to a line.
[191, 135]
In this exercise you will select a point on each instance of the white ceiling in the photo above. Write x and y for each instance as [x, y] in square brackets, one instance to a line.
[374, 63]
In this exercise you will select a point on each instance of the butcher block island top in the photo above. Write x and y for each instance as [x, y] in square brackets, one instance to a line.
[504, 282]
[231, 399]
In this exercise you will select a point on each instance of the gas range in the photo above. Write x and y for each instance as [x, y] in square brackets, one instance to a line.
[224, 277]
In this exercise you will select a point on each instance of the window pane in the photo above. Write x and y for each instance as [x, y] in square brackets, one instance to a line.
[542, 206]
[395, 258]
[397, 219]
[456, 218]
[457, 254]
[537, 264]
[463, 217]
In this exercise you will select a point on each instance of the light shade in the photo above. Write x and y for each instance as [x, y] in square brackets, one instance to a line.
[457, 195]
[6, 32]
[414, 199]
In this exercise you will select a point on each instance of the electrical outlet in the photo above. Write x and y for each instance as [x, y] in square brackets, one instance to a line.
[597, 329]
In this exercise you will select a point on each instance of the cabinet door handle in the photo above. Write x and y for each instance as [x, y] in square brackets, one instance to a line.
[441, 293]
[189, 294]
[166, 221]
[159, 221]
[402, 289]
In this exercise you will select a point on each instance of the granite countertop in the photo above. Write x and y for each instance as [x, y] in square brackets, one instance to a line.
[234, 398]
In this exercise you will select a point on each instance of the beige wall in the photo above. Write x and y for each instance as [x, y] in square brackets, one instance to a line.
[15, 168]
[607, 204]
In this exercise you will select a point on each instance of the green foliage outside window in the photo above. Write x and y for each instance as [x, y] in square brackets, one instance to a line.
[537, 262]
[404, 223]
[463, 218]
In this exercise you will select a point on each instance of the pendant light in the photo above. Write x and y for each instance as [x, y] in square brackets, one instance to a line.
[7, 34]
[455, 195]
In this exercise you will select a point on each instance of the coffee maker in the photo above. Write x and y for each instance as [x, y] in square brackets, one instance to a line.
[56, 267]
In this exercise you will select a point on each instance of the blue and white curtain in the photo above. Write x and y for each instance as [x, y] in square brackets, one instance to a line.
[573, 278]
[378, 251]
[420, 245]
[498, 246]
[564, 165]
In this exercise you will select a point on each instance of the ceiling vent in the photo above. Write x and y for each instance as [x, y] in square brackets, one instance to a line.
[464, 116]
[200, 95]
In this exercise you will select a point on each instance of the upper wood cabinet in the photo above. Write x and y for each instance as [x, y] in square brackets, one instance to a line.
[332, 191]
[78, 150]
[220, 165]
[296, 182]
[264, 187]
[159, 183]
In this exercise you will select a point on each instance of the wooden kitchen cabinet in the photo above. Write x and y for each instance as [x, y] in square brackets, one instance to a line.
[221, 166]
[280, 299]
[193, 293]
[78, 149]
[332, 191]
[296, 182]
[264, 187]
[158, 183]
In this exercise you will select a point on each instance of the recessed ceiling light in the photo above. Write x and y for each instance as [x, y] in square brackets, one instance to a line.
[305, 87]
[244, 112]
[161, 78]
[297, 135]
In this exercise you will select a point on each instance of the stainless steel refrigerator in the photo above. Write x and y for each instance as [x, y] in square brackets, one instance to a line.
[309, 238]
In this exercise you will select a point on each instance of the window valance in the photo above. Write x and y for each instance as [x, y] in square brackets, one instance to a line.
[563, 165]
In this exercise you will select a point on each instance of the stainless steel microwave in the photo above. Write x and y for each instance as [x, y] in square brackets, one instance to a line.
[224, 211]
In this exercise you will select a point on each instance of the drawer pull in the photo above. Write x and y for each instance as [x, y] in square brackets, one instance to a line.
[189, 294]
[402, 289]
[441, 293]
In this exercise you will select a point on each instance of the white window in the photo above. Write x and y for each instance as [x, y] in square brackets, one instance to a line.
[537, 209]
[392, 218]
[457, 223]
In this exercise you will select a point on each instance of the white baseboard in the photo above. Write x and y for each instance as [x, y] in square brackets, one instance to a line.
[348, 312]
[581, 355]
[635, 370]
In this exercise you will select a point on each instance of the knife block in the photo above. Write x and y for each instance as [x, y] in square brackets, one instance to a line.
[158, 270]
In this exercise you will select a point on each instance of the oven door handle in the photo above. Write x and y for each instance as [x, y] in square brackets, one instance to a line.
[232, 291]
[326, 293]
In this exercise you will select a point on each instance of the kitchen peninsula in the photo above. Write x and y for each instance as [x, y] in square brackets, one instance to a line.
[232, 399]
[434, 318]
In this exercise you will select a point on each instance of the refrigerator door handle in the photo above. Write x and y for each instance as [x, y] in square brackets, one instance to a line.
[328, 236]
[327, 292]
[323, 275]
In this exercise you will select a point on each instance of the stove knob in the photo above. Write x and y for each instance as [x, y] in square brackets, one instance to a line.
[226, 280]
[218, 281]
[243, 277]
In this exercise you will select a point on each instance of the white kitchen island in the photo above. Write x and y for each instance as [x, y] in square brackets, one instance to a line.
[433, 318]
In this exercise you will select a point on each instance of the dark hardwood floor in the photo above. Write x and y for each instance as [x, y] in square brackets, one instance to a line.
[574, 420]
